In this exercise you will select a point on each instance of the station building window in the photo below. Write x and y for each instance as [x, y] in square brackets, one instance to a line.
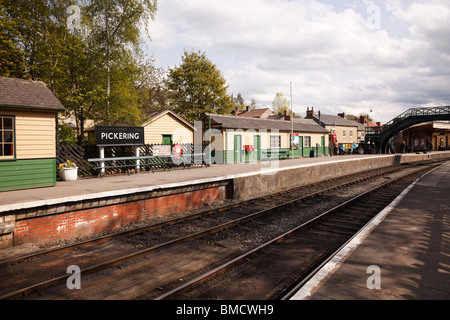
[275, 142]
[7, 140]
[307, 142]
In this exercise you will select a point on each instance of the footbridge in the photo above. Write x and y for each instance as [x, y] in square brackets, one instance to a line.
[382, 134]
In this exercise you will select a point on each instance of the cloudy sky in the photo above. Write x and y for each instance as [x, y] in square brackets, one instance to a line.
[341, 56]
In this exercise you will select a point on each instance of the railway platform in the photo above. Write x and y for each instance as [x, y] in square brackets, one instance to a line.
[74, 209]
[120, 184]
[403, 254]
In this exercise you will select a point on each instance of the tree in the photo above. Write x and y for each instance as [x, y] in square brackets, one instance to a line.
[97, 72]
[366, 115]
[153, 90]
[254, 104]
[198, 87]
[280, 104]
[12, 57]
[115, 25]
[35, 31]
[239, 102]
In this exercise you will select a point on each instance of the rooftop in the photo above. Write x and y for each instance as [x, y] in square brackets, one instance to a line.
[299, 125]
[19, 93]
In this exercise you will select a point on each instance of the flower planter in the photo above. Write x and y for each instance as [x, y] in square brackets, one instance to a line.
[69, 174]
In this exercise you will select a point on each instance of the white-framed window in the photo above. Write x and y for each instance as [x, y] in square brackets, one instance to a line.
[275, 142]
[307, 142]
[7, 137]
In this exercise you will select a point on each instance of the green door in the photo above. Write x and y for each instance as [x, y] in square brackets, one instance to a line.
[257, 145]
[300, 143]
[324, 152]
[167, 139]
[237, 149]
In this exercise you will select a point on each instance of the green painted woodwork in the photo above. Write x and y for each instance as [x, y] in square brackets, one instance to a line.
[26, 174]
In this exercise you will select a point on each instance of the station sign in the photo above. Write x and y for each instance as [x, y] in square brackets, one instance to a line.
[107, 136]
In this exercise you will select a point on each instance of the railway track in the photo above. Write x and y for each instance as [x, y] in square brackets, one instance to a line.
[279, 268]
[161, 244]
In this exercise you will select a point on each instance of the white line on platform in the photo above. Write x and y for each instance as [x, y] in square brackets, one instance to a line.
[333, 265]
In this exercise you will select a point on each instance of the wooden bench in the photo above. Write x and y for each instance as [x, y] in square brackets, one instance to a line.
[185, 160]
[147, 163]
[277, 154]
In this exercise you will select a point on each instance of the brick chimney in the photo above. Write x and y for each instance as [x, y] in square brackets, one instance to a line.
[310, 113]
[342, 115]
[287, 115]
[363, 120]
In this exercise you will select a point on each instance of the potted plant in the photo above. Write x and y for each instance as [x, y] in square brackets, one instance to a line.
[68, 171]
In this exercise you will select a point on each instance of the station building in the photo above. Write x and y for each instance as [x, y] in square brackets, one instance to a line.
[347, 133]
[167, 127]
[430, 136]
[239, 139]
[164, 127]
[28, 117]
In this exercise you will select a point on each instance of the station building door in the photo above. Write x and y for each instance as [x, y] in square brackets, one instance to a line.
[257, 145]
[237, 149]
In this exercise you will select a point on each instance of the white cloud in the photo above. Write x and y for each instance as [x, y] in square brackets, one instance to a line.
[336, 62]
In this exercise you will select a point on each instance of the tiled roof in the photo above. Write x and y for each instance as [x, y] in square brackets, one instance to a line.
[330, 120]
[300, 125]
[255, 113]
[27, 94]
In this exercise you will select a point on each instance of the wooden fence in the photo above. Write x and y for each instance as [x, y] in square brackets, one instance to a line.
[80, 155]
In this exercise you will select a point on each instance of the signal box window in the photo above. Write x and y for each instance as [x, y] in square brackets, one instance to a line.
[7, 137]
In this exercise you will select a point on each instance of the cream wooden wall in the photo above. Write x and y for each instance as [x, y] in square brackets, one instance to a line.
[35, 133]
[248, 138]
[168, 125]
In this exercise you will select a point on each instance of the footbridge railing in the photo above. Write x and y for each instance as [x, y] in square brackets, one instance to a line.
[382, 134]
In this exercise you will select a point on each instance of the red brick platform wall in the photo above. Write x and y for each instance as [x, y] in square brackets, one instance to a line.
[74, 224]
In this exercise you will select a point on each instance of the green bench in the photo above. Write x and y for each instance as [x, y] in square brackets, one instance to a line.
[277, 155]
[148, 163]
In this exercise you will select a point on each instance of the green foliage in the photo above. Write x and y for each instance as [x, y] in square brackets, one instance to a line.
[198, 87]
[66, 136]
[280, 104]
[12, 59]
[97, 71]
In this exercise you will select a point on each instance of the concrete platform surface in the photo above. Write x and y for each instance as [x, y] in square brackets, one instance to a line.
[404, 257]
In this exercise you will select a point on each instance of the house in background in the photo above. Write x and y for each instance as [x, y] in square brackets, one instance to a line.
[347, 132]
[166, 127]
[255, 113]
[28, 115]
[265, 113]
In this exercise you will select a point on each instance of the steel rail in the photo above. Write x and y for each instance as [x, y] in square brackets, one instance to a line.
[247, 255]
[191, 237]
[113, 262]
[139, 230]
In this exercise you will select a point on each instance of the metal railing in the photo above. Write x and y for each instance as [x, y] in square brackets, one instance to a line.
[413, 112]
